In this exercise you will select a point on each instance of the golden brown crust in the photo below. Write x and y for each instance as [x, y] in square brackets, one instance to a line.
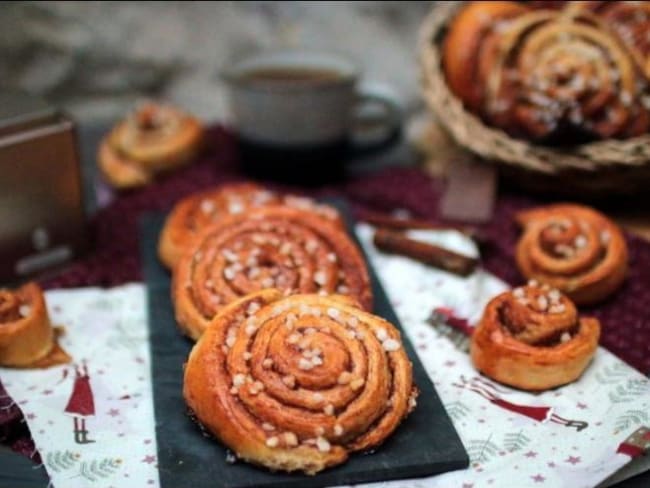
[152, 140]
[531, 338]
[27, 338]
[469, 46]
[630, 21]
[573, 248]
[274, 246]
[536, 72]
[298, 383]
[200, 210]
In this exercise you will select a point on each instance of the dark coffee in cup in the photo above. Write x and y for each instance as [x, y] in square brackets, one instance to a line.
[291, 75]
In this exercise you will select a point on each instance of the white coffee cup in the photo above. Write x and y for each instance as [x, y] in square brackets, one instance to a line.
[297, 107]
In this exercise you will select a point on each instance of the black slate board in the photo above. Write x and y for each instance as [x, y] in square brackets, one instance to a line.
[426, 443]
[18, 471]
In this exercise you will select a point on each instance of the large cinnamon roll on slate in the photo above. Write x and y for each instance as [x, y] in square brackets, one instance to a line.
[296, 251]
[200, 210]
[298, 383]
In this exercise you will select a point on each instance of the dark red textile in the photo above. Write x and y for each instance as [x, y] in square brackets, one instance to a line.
[114, 259]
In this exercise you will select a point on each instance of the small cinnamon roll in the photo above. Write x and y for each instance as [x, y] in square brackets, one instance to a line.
[532, 338]
[153, 139]
[27, 338]
[574, 249]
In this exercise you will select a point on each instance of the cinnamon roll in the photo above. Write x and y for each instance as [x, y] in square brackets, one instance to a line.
[27, 339]
[630, 21]
[544, 73]
[199, 210]
[281, 247]
[298, 383]
[471, 45]
[153, 139]
[572, 248]
[532, 338]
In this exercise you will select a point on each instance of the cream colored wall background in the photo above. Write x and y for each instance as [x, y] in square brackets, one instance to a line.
[96, 58]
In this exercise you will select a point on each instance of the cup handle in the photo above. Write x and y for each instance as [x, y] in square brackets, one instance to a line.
[376, 122]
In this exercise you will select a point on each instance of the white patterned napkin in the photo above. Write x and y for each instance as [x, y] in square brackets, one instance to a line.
[568, 437]
[93, 420]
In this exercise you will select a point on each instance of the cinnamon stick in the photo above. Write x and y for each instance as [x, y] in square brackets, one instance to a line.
[388, 221]
[397, 243]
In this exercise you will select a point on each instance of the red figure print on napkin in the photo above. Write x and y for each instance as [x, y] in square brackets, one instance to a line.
[81, 403]
[540, 413]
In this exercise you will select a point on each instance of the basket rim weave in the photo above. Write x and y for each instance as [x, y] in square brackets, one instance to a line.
[469, 131]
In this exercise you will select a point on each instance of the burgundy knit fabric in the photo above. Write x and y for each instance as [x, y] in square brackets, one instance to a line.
[114, 258]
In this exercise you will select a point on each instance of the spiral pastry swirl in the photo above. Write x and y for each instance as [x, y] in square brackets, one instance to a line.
[200, 210]
[153, 139]
[537, 72]
[531, 338]
[472, 44]
[574, 249]
[294, 250]
[300, 382]
[27, 338]
[630, 21]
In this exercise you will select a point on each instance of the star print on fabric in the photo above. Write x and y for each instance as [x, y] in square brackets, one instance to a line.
[449, 364]
[531, 454]
[581, 405]
[538, 478]
[113, 412]
[573, 460]
[468, 485]
[551, 464]
[47, 392]
[149, 459]
[30, 416]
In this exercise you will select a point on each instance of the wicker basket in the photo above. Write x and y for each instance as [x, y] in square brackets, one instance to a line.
[594, 169]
